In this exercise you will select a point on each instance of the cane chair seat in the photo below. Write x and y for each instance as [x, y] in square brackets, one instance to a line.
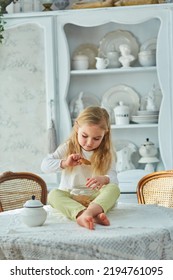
[156, 188]
[18, 187]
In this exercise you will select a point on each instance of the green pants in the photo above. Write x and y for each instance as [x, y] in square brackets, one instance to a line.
[106, 197]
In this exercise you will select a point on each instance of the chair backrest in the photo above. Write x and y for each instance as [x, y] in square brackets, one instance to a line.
[18, 187]
[156, 188]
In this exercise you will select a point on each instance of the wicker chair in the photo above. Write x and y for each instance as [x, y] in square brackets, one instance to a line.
[18, 187]
[156, 188]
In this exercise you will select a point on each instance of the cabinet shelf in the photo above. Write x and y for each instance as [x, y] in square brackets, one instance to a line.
[133, 126]
[114, 70]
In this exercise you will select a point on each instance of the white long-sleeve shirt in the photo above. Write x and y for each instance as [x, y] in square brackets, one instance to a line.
[78, 175]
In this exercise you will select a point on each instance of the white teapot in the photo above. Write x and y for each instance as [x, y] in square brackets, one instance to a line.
[148, 149]
[33, 213]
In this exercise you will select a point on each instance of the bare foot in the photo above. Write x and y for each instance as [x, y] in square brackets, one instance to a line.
[85, 220]
[102, 219]
[93, 214]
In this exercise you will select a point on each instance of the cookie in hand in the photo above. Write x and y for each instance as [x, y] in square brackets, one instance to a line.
[85, 161]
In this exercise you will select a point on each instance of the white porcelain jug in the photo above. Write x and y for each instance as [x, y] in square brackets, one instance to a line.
[101, 63]
[33, 213]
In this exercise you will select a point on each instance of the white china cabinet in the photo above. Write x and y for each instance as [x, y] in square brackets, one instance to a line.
[94, 32]
[80, 32]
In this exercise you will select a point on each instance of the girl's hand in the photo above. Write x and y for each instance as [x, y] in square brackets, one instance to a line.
[97, 182]
[72, 160]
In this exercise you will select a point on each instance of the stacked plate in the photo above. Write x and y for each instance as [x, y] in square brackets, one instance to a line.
[146, 117]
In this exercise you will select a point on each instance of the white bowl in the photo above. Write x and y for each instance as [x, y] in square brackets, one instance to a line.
[80, 62]
[81, 190]
[147, 58]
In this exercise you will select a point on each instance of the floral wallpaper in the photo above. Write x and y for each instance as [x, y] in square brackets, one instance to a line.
[23, 124]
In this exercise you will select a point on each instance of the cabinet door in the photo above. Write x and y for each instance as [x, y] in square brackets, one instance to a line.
[26, 87]
[94, 28]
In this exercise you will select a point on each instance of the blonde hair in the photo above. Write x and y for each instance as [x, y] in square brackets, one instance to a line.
[104, 153]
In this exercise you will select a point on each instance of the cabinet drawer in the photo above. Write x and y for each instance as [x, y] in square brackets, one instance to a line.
[129, 179]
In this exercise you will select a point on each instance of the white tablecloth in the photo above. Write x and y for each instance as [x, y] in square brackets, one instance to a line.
[136, 232]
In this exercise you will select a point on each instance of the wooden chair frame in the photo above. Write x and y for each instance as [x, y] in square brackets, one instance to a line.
[156, 188]
[18, 187]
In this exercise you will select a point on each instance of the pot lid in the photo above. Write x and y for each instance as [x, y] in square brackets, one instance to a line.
[148, 143]
[33, 203]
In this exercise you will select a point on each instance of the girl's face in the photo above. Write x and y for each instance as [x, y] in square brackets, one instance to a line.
[90, 136]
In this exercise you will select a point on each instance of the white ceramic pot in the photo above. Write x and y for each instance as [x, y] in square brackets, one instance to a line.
[147, 58]
[33, 213]
[121, 114]
[80, 62]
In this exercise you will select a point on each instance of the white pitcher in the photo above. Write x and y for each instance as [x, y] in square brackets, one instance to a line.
[101, 63]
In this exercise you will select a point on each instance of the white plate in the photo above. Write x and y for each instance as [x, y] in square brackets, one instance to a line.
[123, 93]
[145, 119]
[147, 113]
[87, 99]
[89, 50]
[150, 44]
[112, 40]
